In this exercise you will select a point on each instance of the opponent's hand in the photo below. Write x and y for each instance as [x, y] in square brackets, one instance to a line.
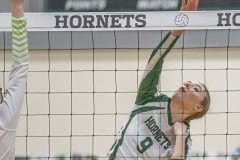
[179, 129]
[17, 7]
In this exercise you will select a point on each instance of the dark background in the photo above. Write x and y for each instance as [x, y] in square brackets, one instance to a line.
[130, 5]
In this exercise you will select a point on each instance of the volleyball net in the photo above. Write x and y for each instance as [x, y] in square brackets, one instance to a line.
[83, 81]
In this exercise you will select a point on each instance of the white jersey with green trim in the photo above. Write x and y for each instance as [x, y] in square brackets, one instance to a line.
[15, 90]
[148, 134]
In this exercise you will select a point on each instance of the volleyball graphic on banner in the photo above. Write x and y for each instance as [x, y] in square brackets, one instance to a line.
[181, 20]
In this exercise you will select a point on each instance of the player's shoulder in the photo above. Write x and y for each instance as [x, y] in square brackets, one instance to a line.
[158, 102]
[160, 97]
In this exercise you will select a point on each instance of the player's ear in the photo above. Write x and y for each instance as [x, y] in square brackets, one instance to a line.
[198, 108]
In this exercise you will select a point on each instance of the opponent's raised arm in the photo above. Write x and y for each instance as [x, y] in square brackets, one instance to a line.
[19, 33]
[16, 84]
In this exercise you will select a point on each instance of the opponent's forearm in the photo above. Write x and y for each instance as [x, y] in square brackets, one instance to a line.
[19, 32]
[19, 40]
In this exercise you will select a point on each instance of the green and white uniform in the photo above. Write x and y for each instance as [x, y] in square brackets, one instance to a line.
[148, 134]
[15, 90]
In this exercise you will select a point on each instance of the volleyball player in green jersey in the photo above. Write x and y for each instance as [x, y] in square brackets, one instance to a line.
[11, 103]
[158, 127]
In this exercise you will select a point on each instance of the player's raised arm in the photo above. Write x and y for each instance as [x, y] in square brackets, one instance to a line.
[148, 85]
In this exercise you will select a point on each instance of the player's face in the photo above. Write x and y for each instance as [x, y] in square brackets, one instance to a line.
[189, 95]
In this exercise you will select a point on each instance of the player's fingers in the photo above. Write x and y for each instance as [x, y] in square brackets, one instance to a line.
[190, 4]
[183, 5]
[196, 4]
[193, 6]
[186, 5]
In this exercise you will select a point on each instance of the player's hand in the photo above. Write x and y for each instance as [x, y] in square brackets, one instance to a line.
[189, 5]
[179, 129]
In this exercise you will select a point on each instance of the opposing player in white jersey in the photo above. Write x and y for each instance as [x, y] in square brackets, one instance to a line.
[11, 103]
[158, 127]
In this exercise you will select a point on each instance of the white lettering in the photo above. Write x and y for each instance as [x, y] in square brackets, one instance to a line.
[85, 5]
[157, 4]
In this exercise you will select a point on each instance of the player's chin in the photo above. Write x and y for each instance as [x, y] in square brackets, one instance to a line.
[177, 94]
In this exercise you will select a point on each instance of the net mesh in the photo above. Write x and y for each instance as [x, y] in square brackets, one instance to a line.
[78, 100]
